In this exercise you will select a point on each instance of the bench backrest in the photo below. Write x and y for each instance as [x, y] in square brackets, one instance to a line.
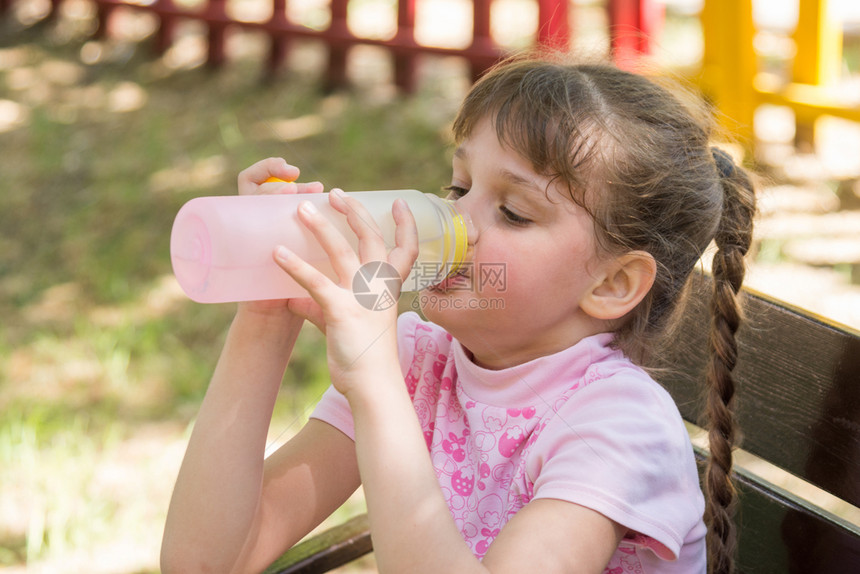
[798, 407]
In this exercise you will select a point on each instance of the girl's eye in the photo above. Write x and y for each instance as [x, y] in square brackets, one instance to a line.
[512, 217]
[455, 191]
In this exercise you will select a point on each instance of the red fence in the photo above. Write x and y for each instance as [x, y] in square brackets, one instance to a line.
[630, 24]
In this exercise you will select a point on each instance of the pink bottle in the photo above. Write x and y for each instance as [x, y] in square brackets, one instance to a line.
[221, 247]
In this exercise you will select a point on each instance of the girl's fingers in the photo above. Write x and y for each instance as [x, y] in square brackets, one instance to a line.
[310, 187]
[405, 252]
[371, 245]
[258, 173]
[341, 254]
[274, 186]
[313, 281]
[309, 310]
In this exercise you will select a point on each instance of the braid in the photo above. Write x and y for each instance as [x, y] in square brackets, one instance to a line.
[733, 239]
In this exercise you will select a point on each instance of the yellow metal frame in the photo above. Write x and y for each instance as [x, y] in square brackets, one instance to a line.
[819, 44]
[729, 63]
[730, 76]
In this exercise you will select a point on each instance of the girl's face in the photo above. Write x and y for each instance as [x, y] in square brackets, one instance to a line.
[532, 259]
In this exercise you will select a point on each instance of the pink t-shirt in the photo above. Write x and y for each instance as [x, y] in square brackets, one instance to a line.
[584, 425]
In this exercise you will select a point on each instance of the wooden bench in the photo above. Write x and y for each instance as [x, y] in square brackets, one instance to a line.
[798, 406]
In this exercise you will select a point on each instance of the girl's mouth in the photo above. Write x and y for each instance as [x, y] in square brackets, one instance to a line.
[461, 280]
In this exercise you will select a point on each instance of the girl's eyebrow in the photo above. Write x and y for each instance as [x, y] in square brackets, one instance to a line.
[511, 177]
[520, 184]
[517, 180]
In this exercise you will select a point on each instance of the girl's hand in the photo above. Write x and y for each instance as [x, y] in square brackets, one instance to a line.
[361, 337]
[272, 176]
[261, 178]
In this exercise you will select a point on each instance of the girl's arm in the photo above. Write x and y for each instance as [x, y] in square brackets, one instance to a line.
[411, 525]
[231, 511]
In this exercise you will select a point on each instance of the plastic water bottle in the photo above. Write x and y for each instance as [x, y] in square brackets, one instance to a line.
[221, 247]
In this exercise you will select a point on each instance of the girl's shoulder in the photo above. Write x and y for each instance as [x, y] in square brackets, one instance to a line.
[618, 445]
[620, 406]
[617, 391]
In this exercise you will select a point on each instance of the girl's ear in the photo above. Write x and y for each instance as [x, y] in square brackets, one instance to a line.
[623, 283]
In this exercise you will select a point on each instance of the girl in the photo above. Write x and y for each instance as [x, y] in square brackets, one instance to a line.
[550, 448]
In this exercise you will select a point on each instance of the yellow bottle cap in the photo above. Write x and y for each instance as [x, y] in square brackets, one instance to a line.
[276, 180]
[461, 242]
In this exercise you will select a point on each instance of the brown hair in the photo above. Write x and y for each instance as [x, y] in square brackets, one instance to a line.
[640, 161]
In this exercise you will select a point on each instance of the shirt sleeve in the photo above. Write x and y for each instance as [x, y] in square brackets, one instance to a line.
[619, 447]
[333, 408]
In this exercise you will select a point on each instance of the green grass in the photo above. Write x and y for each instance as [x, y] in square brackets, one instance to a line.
[104, 362]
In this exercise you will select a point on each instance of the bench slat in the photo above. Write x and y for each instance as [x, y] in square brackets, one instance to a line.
[777, 532]
[798, 398]
[778, 528]
[327, 550]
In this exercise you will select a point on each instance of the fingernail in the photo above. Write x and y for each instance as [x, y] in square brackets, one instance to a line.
[308, 207]
[401, 204]
[282, 253]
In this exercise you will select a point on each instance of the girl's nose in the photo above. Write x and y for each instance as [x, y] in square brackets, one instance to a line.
[471, 228]
[463, 208]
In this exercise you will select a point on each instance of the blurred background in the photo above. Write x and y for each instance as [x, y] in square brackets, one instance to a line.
[103, 136]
